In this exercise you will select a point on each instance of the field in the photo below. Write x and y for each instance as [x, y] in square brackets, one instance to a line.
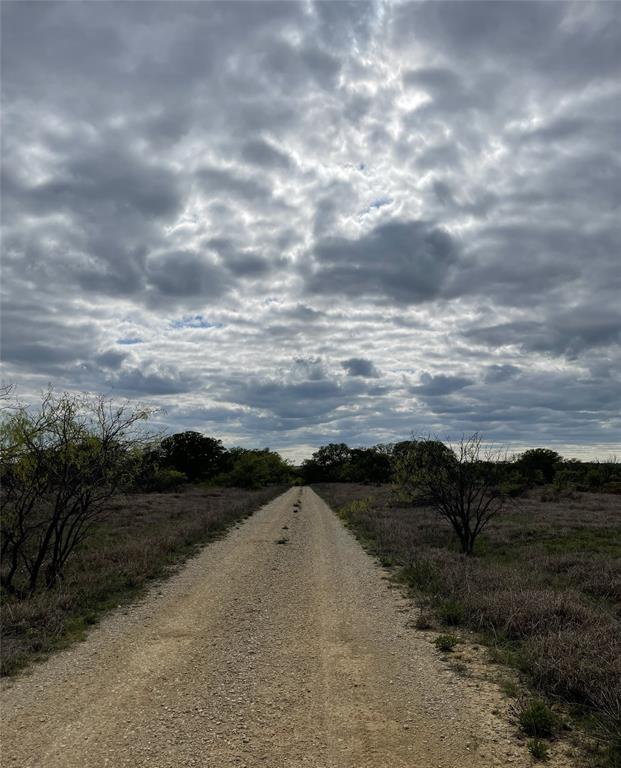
[141, 537]
[543, 591]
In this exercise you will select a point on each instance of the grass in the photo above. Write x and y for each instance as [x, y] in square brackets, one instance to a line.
[142, 538]
[543, 590]
[538, 750]
[537, 719]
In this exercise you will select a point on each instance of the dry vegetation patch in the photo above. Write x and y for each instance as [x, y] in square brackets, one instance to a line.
[141, 538]
[543, 589]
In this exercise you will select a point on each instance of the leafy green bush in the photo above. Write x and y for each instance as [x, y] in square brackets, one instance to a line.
[445, 643]
[166, 480]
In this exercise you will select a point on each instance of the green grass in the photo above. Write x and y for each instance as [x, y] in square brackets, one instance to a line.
[537, 719]
[539, 750]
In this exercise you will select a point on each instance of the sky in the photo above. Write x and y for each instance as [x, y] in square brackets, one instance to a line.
[286, 224]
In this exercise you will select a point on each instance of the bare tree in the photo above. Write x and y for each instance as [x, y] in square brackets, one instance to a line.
[59, 465]
[459, 482]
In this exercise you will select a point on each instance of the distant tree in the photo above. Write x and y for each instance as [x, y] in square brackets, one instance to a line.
[538, 465]
[198, 457]
[59, 465]
[327, 464]
[150, 474]
[460, 484]
[368, 465]
[249, 468]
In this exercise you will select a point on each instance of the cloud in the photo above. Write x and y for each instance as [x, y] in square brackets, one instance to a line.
[154, 382]
[262, 153]
[243, 212]
[182, 274]
[407, 262]
[569, 332]
[439, 385]
[358, 366]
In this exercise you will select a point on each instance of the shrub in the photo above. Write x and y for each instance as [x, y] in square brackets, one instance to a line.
[583, 665]
[165, 480]
[424, 620]
[538, 749]
[452, 613]
[520, 614]
[423, 574]
[537, 719]
[445, 643]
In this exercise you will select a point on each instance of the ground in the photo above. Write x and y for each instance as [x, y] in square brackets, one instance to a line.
[282, 644]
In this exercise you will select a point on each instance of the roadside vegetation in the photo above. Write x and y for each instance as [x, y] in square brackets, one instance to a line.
[93, 506]
[540, 584]
[525, 551]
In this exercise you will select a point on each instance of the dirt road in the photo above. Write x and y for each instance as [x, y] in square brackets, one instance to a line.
[258, 653]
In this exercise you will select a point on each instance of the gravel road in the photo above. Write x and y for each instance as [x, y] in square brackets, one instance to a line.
[259, 653]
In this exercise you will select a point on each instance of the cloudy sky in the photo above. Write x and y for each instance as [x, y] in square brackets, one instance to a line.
[294, 223]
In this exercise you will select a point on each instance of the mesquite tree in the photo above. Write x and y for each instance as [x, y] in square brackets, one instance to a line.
[461, 483]
[60, 463]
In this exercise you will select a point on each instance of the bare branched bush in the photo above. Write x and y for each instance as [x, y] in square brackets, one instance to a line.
[59, 465]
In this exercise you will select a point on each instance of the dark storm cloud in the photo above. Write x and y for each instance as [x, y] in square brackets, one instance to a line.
[407, 262]
[359, 366]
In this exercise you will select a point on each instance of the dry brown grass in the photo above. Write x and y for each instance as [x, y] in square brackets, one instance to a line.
[142, 538]
[544, 586]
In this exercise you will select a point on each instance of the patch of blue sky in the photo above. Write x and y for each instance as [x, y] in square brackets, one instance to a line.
[380, 202]
[130, 340]
[194, 321]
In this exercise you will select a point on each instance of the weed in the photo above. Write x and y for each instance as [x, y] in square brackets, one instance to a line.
[460, 668]
[452, 613]
[538, 750]
[537, 719]
[424, 620]
[509, 687]
[445, 643]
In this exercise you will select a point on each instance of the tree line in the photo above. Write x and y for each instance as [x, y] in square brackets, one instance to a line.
[61, 461]
[392, 463]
